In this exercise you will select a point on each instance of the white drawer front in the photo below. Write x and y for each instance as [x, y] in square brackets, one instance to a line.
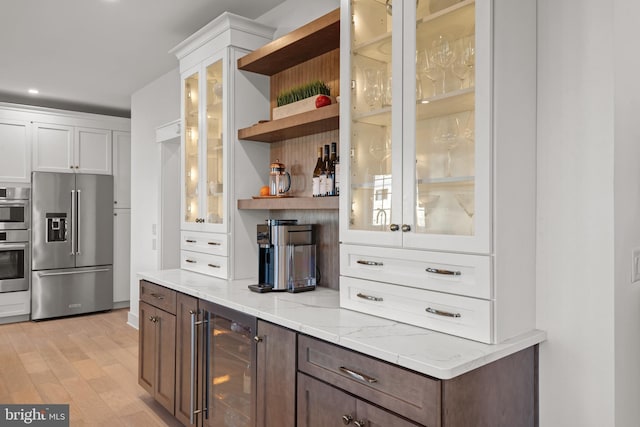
[461, 316]
[468, 275]
[211, 265]
[209, 243]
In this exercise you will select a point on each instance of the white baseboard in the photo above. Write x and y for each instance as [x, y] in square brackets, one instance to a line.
[133, 320]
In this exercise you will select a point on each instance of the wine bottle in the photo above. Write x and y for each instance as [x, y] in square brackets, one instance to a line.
[316, 174]
[336, 179]
[325, 172]
[331, 190]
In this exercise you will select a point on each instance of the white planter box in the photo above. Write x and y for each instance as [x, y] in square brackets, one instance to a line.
[307, 104]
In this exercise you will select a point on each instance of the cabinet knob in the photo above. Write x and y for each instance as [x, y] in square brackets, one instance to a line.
[360, 423]
[257, 338]
[394, 227]
[405, 228]
[115, 202]
[71, 167]
[346, 419]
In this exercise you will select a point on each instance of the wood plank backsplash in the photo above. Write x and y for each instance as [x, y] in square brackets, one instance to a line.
[299, 156]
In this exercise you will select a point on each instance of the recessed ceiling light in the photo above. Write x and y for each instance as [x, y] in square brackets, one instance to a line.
[34, 91]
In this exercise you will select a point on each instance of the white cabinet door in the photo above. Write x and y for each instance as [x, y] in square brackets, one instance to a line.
[15, 146]
[121, 256]
[92, 151]
[122, 170]
[53, 148]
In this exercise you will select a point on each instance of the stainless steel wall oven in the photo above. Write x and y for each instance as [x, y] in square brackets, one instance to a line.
[15, 249]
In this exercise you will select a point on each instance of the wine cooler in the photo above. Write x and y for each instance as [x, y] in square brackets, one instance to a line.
[230, 355]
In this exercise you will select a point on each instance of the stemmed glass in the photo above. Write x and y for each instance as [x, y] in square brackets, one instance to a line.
[447, 133]
[466, 201]
[429, 205]
[470, 127]
[443, 54]
[427, 67]
[460, 67]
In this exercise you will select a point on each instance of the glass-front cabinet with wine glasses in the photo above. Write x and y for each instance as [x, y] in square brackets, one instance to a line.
[217, 169]
[437, 210]
[204, 204]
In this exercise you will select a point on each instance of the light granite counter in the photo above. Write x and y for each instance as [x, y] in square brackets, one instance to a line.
[318, 313]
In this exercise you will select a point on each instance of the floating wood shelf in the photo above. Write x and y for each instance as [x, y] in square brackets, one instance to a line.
[320, 120]
[309, 41]
[290, 203]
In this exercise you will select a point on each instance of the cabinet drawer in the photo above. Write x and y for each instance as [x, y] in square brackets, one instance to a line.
[413, 395]
[468, 275]
[211, 265]
[158, 296]
[209, 243]
[461, 316]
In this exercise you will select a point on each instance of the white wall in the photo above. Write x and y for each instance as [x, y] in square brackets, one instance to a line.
[576, 268]
[153, 105]
[627, 211]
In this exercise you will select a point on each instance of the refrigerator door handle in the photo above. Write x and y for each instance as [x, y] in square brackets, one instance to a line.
[73, 222]
[78, 194]
[65, 273]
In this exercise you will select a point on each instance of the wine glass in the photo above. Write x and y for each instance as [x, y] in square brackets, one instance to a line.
[427, 67]
[447, 133]
[443, 54]
[470, 127]
[429, 205]
[371, 86]
[460, 67]
[466, 201]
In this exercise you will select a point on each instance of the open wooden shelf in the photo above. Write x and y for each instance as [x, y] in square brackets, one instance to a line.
[290, 203]
[319, 120]
[309, 41]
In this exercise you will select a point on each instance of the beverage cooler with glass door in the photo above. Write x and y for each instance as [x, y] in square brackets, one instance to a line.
[228, 368]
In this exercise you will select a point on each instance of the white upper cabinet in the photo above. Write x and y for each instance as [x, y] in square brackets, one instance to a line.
[61, 148]
[15, 146]
[217, 169]
[438, 154]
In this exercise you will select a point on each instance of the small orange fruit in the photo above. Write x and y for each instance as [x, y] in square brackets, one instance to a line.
[264, 190]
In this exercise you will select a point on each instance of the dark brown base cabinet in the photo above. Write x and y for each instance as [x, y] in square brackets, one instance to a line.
[157, 343]
[213, 366]
[276, 376]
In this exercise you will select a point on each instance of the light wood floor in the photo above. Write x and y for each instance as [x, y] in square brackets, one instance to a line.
[89, 362]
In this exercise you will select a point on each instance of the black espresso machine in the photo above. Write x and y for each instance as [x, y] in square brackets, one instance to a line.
[287, 256]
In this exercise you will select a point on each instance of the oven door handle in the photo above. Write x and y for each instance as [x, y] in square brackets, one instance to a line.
[11, 246]
[66, 273]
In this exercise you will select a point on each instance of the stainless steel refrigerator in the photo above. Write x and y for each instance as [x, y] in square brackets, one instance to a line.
[72, 244]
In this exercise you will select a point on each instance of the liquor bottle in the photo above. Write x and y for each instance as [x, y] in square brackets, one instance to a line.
[324, 174]
[316, 174]
[331, 190]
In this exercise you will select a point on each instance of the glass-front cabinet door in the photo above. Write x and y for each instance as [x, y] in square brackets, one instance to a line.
[418, 169]
[204, 202]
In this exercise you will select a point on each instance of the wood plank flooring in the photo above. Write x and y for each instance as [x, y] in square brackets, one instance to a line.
[89, 362]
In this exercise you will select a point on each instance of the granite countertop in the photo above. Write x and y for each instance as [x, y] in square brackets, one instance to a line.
[318, 313]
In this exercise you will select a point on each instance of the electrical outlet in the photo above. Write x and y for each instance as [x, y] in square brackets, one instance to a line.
[154, 229]
[635, 265]
[153, 244]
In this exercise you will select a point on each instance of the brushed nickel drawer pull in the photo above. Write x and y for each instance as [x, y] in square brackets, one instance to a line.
[191, 261]
[358, 376]
[190, 241]
[157, 296]
[213, 266]
[369, 297]
[444, 272]
[215, 243]
[374, 263]
[442, 313]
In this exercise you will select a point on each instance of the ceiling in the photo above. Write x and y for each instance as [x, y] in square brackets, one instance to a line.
[92, 55]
